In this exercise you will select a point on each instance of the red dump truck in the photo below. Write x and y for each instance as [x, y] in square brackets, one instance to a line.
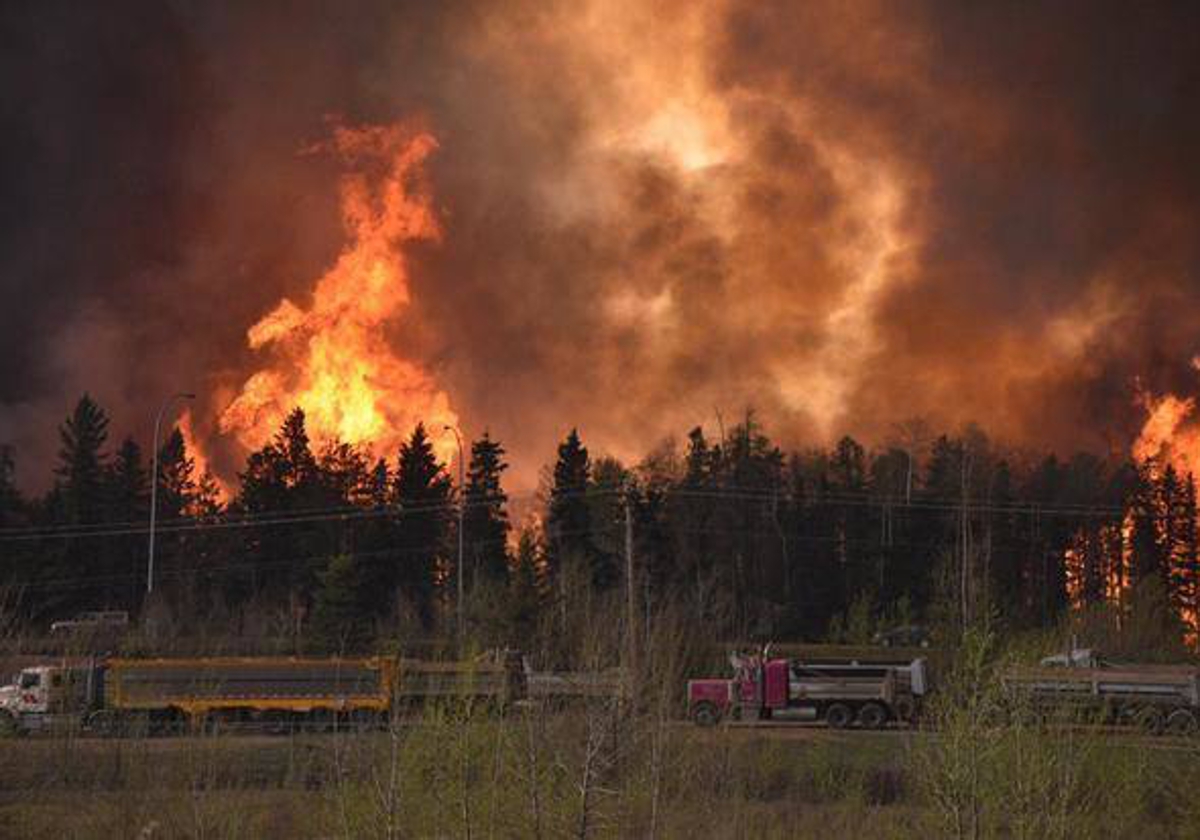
[842, 693]
[265, 693]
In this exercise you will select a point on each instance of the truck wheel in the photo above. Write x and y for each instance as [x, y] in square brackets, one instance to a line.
[103, 723]
[8, 725]
[872, 716]
[1182, 722]
[1149, 720]
[905, 709]
[838, 716]
[705, 714]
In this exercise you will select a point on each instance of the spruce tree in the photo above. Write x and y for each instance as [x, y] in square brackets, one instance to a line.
[82, 462]
[283, 478]
[423, 495]
[568, 520]
[1187, 569]
[14, 555]
[485, 519]
[176, 478]
[128, 484]
[525, 590]
[128, 502]
[339, 623]
[78, 498]
[10, 499]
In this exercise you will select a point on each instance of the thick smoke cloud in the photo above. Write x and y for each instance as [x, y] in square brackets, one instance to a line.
[840, 214]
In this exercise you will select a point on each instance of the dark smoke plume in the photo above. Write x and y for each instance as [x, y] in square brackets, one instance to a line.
[842, 214]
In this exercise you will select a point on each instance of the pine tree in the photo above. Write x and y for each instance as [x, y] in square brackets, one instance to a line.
[609, 490]
[525, 591]
[176, 479]
[82, 462]
[340, 624]
[423, 494]
[1148, 559]
[78, 498]
[283, 477]
[1188, 569]
[344, 473]
[10, 499]
[206, 500]
[485, 519]
[128, 483]
[128, 495]
[14, 555]
[568, 522]
[691, 509]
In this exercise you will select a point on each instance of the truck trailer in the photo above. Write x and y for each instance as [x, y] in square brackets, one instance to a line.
[1155, 698]
[842, 693]
[265, 693]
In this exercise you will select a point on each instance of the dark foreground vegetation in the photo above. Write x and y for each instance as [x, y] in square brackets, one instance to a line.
[597, 772]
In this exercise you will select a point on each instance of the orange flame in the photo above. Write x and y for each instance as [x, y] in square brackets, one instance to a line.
[1171, 433]
[332, 358]
[196, 451]
[1170, 436]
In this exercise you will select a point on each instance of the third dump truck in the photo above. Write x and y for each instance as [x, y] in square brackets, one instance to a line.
[1156, 698]
[852, 692]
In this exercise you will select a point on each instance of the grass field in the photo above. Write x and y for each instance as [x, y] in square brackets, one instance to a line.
[594, 774]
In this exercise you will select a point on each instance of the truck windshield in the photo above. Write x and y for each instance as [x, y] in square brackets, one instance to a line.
[30, 679]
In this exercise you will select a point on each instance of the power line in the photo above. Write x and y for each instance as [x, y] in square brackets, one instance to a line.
[227, 521]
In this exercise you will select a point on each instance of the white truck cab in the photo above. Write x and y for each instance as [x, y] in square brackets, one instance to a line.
[38, 697]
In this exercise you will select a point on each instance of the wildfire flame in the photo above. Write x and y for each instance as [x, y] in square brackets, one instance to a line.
[332, 358]
[1170, 436]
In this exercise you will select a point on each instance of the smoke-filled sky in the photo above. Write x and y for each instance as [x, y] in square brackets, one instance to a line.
[842, 214]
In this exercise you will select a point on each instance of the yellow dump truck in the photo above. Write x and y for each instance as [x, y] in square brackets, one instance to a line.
[262, 693]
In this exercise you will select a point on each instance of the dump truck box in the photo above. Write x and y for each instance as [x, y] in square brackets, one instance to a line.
[418, 680]
[1155, 697]
[199, 686]
[1168, 684]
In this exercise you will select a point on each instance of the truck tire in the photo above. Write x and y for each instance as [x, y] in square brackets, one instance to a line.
[705, 713]
[9, 728]
[1182, 722]
[104, 723]
[872, 716]
[1150, 720]
[838, 716]
[905, 709]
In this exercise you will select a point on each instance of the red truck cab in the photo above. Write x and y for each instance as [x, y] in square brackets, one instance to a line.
[754, 690]
[841, 692]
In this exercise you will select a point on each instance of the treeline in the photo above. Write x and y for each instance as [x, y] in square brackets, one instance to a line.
[333, 548]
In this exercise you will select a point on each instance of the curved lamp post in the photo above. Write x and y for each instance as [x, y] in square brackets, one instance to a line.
[154, 482]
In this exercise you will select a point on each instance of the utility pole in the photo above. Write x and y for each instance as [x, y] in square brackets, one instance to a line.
[630, 604]
[462, 504]
[965, 538]
[154, 484]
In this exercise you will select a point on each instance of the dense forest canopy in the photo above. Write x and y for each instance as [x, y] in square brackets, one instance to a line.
[346, 548]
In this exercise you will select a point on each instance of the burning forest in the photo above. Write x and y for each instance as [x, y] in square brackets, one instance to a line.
[582, 342]
[945, 258]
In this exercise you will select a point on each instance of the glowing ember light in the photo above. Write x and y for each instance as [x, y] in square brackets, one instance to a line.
[332, 358]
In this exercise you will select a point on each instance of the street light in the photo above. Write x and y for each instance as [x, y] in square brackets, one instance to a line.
[462, 503]
[154, 483]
